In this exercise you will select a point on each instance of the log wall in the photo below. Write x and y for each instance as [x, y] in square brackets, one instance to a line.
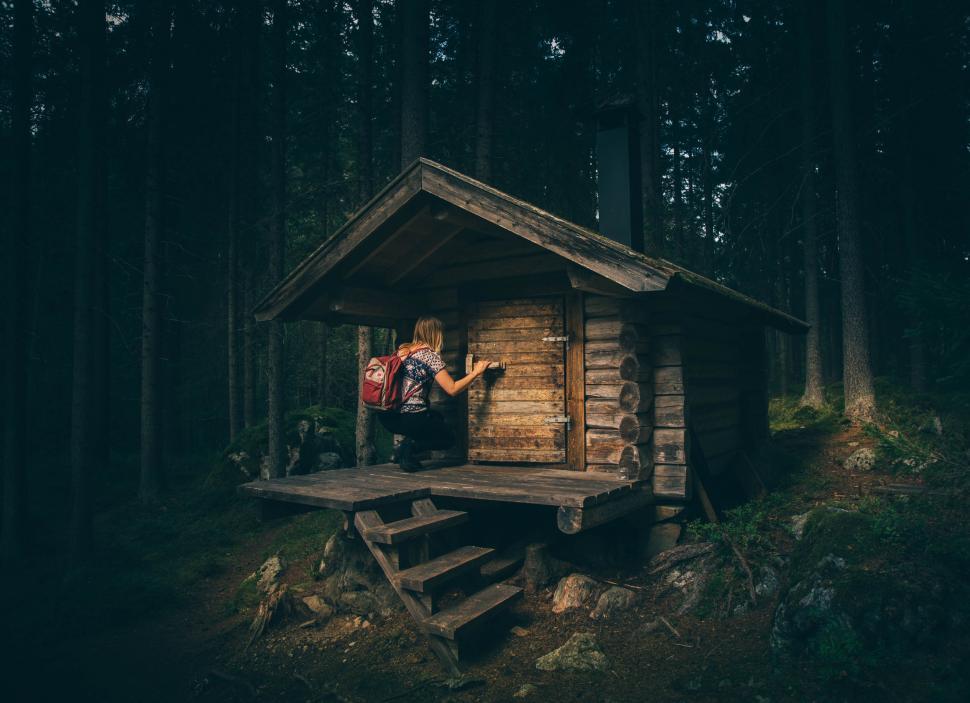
[670, 409]
[619, 388]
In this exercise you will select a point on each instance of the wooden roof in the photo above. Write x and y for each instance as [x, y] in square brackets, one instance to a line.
[441, 203]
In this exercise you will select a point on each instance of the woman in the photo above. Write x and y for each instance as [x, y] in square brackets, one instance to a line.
[423, 428]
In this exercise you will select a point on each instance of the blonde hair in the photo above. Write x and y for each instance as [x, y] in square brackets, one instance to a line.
[429, 331]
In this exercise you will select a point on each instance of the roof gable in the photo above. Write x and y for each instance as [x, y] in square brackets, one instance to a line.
[628, 269]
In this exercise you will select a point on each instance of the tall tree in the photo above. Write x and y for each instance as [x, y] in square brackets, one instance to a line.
[365, 418]
[906, 90]
[18, 289]
[813, 396]
[151, 473]
[645, 21]
[415, 38]
[485, 89]
[243, 208]
[364, 10]
[277, 245]
[90, 206]
[365, 146]
[860, 399]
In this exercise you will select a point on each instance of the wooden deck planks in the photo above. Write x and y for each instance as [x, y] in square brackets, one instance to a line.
[368, 487]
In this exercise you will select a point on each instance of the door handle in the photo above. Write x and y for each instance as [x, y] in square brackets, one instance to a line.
[493, 366]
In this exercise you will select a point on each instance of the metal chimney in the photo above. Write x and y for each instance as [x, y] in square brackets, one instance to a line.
[618, 163]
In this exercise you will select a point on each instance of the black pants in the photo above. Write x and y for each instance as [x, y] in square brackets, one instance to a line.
[426, 429]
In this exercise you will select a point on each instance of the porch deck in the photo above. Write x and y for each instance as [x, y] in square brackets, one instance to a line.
[584, 499]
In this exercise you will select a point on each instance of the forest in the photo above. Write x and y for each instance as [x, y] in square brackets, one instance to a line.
[167, 162]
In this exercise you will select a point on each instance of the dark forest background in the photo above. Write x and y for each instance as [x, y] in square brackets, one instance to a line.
[164, 163]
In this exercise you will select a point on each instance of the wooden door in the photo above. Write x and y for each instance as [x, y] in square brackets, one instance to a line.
[518, 414]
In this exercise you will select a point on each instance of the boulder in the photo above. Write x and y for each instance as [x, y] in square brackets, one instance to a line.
[573, 591]
[580, 653]
[862, 459]
[611, 601]
[839, 610]
[317, 606]
[766, 582]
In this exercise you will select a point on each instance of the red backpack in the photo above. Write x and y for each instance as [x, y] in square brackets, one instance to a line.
[382, 386]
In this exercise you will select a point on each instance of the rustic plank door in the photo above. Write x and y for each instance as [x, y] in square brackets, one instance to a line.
[518, 414]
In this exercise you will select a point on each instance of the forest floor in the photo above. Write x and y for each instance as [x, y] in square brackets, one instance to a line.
[163, 615]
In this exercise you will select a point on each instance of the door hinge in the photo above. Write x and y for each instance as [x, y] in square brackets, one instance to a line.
[558, 420]
[563, 340]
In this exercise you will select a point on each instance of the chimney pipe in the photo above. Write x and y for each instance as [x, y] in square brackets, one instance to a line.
[618, 163]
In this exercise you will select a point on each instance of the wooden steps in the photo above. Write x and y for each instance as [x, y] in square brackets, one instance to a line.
[402, 549]
[413, 527]
[451, 623]
[432, 574]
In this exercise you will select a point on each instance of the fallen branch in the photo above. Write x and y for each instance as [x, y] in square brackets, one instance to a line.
[673, 629]
[617, 583]
[744, 565]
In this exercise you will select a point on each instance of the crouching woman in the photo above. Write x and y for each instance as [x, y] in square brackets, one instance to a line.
[424, 429]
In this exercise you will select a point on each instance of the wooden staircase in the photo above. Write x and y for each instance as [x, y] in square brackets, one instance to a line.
[405, 548]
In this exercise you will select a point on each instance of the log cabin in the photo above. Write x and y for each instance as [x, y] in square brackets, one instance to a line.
[614, 370]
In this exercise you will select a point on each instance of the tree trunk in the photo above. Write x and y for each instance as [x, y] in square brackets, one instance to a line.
[679, 239]
[150, 478]
[365, 101]
[18, 293]
[860, 398]
[907, 190]
[365, 418]
[645, 22]
[813, 395]
[414, 79]
[485, 66]
[91, 30]
[277, 244]
[323, 375]
[249, 351]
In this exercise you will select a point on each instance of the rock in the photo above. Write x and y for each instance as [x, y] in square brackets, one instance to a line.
[651, 626]
[526, 690]
[573, 591]
[268, 575]
[328, 460]
[580, 653]
[662, 538]
[318, 607]
[798, 524]
[838, 608]
[359, 602]
[766, 582]
[611, 601]
[520, 631]
[862, 459]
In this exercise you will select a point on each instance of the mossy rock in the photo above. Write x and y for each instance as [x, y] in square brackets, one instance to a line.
[308, 434]
[852, 604]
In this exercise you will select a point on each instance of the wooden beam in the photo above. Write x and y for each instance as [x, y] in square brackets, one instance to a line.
[388, 241]
[433, 248]
[371, 303]
[585, 280]
[573, 520]
[358, 229]
[575, 383]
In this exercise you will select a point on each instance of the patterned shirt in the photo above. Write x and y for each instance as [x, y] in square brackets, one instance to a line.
[420, 369]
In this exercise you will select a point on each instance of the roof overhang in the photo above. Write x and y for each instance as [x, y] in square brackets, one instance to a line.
[446, 203]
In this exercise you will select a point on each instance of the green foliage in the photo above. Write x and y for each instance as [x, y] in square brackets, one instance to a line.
[787, 413]
[252, 442]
